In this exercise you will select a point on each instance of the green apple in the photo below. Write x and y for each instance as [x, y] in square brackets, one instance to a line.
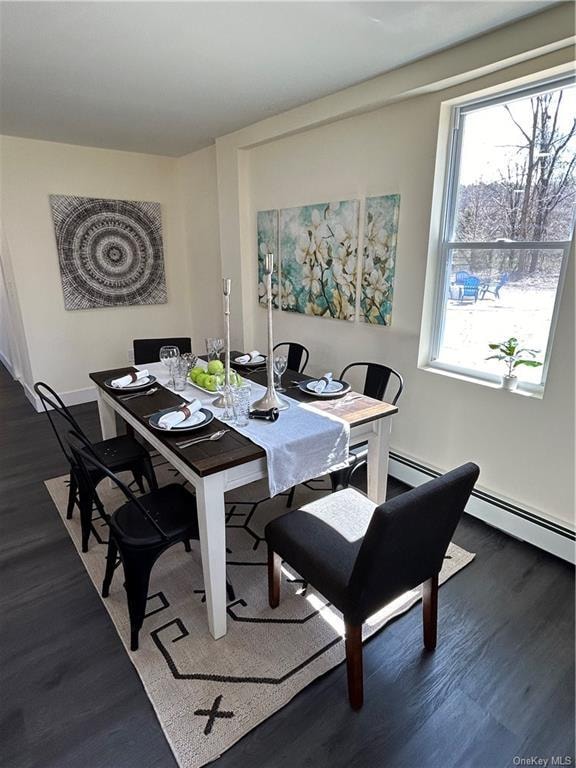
[210, 383]
[195, 372]
[215, 366]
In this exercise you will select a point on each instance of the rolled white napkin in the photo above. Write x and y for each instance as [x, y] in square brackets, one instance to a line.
[124, 381]
[320, 385]
[249, 357]
[173, 418]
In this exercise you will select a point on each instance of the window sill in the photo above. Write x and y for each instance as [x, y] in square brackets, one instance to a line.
[535, 391]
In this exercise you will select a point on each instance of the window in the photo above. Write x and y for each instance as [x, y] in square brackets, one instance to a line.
[508, 219]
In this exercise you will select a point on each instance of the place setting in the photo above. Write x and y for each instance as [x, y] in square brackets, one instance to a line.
[133, 381]
[326, 387]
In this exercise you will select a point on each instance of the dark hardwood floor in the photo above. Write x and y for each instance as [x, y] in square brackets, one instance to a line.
[499, 685]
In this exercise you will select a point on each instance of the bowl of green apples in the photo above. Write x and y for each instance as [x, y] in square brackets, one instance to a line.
[207, 378]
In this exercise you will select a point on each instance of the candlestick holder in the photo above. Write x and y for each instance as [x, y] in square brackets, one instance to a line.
[271, 399]
[224, 400]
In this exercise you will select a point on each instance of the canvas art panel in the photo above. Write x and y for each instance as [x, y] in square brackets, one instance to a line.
[110, 252]
[319, 258]
[267, 229]
[379, 262]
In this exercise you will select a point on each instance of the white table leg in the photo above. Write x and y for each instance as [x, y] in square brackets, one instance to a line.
[378, 449]
[107, 418]
[212, 524]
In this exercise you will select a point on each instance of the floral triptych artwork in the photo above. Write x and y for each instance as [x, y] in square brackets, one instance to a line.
[319, 257]
[319, 264]
[378, 266]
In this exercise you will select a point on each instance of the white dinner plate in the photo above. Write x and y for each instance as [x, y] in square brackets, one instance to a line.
[331, 388]
[199, 419]
[135, 385]
[257, 361]
[336, 388]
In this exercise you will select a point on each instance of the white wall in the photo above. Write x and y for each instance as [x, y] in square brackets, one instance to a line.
[5, 331]
[64, 346]
[525, 447]
[199, 195]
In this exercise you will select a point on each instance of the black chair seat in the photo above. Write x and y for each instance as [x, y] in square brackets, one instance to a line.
[117, 451]
[172, 506]
[322, 539]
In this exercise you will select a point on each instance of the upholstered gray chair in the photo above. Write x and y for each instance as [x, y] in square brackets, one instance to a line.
[361, 556]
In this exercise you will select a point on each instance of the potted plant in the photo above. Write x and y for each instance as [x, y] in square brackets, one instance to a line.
[512, 354]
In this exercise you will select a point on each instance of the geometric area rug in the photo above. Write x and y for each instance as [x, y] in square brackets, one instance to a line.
[208, 694]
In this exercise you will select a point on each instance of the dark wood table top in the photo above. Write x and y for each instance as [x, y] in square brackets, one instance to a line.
[233, 449]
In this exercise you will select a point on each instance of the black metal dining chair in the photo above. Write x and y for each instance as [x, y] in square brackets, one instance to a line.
[382, 383]
[297, 355]
[119, 454]
[141, 529]
[360, 556]
[148, 350]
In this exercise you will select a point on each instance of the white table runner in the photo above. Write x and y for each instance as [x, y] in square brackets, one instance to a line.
[302, 444]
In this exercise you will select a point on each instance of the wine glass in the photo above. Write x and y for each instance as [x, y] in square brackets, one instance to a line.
[169, 355]
[218, 347]
[280, 365]
[224, 391]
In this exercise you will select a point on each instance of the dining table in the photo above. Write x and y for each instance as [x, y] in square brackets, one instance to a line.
[214, 467]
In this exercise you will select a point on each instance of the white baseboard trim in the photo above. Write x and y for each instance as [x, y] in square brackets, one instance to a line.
[7, 364]
[522, 523]
[73, 397]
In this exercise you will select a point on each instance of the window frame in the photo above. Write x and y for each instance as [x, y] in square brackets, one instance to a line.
[446, 243]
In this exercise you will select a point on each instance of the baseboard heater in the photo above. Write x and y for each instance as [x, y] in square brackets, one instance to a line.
[519, 522]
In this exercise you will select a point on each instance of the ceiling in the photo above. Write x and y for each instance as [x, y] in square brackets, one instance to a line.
[169, 77]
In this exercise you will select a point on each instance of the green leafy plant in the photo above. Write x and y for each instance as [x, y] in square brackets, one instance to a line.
[512, 354]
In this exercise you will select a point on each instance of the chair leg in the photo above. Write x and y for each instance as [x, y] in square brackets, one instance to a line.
[354, 665]
[71, 494]
[187, 546]
[274, 563]
[85, 503]
[111, 557]
[290, 498]
[137, 570]
[138, 479]
[149, 474]
[430, 612]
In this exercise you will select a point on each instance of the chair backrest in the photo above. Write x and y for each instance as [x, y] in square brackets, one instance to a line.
[297, 356]
[471, 285]
[60, 418]
[85, 458]
[407, 539]
[148, 350]
[377, 379]
[460, 277]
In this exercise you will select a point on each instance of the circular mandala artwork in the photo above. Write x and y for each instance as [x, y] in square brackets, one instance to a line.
[110, 252]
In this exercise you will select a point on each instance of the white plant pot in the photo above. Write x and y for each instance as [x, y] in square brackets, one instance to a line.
[509, 383]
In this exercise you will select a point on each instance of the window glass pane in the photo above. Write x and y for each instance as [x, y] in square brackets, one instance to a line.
[516, 176]
[491, 295]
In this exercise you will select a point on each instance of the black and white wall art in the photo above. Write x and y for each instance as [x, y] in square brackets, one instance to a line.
[110, 251]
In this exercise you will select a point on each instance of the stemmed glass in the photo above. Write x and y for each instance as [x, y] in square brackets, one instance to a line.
[169, 356]
[280, 365]
[214, 348]
[218, 347]
[225, 391]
